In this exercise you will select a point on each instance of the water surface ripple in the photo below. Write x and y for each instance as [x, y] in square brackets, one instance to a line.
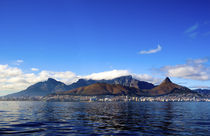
[104, 118]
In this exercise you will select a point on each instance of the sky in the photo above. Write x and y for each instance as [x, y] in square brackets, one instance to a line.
[96, 39]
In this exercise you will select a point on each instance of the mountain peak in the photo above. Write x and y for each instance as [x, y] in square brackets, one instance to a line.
[165, 87]
[167, 80]
[123, 77]
[51, 80]
[128, 76]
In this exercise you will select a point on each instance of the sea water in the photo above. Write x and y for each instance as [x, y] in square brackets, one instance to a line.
[104, 118]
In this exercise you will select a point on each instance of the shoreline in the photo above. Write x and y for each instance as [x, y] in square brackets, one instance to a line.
[70, 98]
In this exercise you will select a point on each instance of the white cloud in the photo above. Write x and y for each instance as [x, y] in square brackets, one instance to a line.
[148, 78]
[34, 69]
[192, 28]
[197, 61]
[107, 74]
[198, 29]
[193, 69]
[159, 48]
[18, 62]
[67, 77]
[13, 79]
[118, 73]
[6, 71]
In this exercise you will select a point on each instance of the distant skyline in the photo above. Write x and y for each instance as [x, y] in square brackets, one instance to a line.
[95, 39]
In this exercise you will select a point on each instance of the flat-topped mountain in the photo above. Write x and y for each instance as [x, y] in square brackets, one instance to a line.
[125, 85]
[123, 80]
[165, 88]
[102, 89]
[52, 86]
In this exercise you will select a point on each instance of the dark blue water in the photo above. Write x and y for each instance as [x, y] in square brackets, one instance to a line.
[98, 118]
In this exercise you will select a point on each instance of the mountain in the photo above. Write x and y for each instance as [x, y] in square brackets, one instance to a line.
[103, 89]
[125, 85]
[81, 83]
[167, 87]
[52, 86]
[41, 89]
[128, 81]
[203, 92]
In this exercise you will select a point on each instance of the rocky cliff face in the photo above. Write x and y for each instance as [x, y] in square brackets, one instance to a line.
[128, 81]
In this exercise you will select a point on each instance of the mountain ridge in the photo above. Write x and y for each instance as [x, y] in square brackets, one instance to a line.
[123, 80]
[102, 89]
[165, 88]
[125, 85]
[52, 86]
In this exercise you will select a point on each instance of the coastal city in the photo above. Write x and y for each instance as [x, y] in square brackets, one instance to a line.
[108, 98]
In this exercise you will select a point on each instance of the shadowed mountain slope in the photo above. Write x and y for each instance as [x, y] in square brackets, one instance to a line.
[41, 89]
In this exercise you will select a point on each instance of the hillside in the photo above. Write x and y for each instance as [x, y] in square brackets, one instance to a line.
[41, 89]
[167, 87]
[103, 89]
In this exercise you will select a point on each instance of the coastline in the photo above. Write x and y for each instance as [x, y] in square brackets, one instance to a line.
[110, 98]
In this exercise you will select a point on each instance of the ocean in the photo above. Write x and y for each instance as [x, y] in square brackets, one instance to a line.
[104, 118]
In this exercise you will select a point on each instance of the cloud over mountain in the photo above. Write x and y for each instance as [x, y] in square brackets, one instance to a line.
[107, 74]
[13, 79]
[193, 69]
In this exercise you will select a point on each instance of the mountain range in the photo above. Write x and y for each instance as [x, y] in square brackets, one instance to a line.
[125, 85]
[123, 80]
[52, 86]
[203, 92]
[166, 87]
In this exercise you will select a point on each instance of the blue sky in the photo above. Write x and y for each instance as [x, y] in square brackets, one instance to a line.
[92, 36]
